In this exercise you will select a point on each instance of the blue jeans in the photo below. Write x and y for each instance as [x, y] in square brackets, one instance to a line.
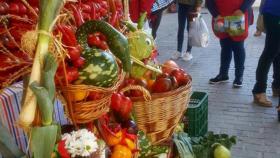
[270, 55]
[228, 46]
[183, 12]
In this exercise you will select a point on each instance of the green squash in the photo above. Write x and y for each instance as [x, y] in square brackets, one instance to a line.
[100, 69]
[141, 44]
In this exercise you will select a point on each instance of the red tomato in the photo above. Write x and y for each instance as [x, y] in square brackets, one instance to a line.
[74, 53]
[181, 76]
[13, 8]
[79, 62]
[169, 66]
[22, 8]
[102, 37]
[93, 40]
[162, 85]
[174, 81]
[2, 9]
[72, 74]
[163, 75]
[137, 93]
[103, 45]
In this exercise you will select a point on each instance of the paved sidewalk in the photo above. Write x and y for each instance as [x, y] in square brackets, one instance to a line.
[230, 110]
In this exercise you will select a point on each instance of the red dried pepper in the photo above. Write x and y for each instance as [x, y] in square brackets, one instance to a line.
[93, 11]
[77, 13]
[113, 19]
[68, 35]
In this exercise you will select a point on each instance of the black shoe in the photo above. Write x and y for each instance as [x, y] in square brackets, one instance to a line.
[237, 83]
[218, 79]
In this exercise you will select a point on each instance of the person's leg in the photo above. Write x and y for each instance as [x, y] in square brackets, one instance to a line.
[239, 60]
[182, 18]
[189, 47]
[226, 56]
[156, 22]
[270, 52]
[276, 75]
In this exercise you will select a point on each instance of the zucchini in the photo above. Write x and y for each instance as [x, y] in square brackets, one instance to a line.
[116, 41]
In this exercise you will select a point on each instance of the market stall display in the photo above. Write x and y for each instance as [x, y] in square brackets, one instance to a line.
[118, 100]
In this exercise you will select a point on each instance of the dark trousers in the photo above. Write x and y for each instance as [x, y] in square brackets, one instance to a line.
[228, 46]
[156, 21]
[183, 12]
[270, 55]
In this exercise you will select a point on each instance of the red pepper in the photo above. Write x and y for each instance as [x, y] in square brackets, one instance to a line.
[77, 13]
[93, 11]
[113, 19]
[121, 105]
[68, 35]
[63, 153]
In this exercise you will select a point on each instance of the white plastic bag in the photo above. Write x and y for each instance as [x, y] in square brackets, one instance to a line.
[198, 33]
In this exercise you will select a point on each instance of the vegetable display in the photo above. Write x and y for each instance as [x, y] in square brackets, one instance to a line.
[89, 55]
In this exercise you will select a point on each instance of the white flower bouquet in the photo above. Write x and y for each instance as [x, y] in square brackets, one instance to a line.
[80, 143]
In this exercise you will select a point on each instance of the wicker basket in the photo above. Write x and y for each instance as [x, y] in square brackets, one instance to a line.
[84, 111]
[159, 116]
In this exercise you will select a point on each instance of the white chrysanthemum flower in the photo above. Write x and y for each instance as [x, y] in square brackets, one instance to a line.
[80, 143]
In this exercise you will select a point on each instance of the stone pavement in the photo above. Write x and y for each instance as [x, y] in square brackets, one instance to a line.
[230, 110]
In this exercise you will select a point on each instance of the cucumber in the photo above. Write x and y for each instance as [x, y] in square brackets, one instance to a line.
[116, 41]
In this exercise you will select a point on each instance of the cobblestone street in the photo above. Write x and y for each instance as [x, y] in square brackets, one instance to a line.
[230, 110]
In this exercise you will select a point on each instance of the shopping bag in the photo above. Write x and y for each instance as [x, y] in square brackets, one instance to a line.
[198, 33]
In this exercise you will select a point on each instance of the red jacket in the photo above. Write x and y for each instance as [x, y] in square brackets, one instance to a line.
[227, 8]
[136, 7]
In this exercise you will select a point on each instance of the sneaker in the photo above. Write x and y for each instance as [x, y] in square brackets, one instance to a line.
[176, 55]
[237, 83]
[262, 100]
[218, 79]
[187, 56]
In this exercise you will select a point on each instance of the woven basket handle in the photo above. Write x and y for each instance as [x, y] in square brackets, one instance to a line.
[146, 94]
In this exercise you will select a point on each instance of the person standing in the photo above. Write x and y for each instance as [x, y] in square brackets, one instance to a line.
[156, 14]
[260, 25]
[270, 54]
[187, 9]
[229, 44]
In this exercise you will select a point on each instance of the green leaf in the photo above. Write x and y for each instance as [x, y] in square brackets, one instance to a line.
[43, 141]
[44, 102]
[8, 147]
[48, 75]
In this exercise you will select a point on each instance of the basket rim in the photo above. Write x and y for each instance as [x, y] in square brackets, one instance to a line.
[165, 94]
